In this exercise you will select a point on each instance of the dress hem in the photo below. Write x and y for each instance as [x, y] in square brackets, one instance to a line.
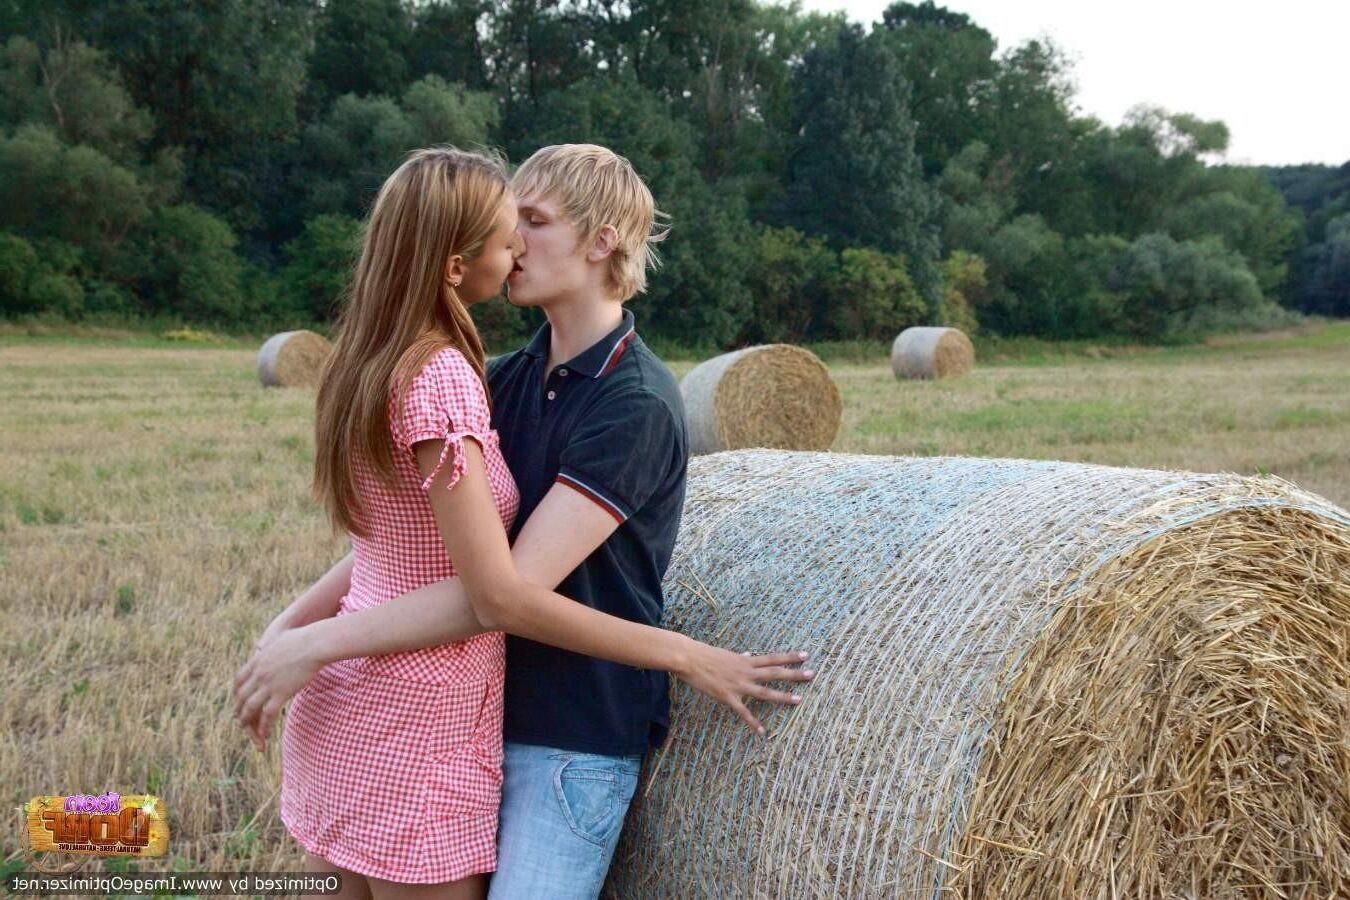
[362, 865]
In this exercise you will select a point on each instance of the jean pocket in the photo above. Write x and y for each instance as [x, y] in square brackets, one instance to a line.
[593, 794]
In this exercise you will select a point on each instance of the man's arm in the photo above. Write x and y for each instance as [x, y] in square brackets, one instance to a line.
[561, 532]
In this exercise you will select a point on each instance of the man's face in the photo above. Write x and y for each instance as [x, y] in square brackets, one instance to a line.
[552, 262]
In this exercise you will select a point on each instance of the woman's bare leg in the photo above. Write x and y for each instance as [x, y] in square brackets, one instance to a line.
[354, 884]
[473, 887]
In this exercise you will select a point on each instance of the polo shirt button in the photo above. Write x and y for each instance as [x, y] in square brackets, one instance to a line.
[552, 394]
[562, 372]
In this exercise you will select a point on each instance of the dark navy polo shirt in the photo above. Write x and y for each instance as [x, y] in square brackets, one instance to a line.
[609, 424]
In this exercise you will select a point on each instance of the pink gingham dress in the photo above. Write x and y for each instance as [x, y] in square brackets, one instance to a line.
[392, 765]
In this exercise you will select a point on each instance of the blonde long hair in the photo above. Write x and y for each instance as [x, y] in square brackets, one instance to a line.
[399, 310]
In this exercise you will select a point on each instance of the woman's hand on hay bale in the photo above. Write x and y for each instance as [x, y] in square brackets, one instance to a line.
[731, 678]
[282, 665]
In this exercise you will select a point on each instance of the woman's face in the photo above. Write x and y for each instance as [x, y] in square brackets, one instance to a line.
[484, 276]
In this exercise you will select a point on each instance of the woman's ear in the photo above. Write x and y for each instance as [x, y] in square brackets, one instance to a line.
[454, 270]
[605, 243]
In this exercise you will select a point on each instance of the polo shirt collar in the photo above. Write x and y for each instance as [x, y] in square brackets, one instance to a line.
[598, 359]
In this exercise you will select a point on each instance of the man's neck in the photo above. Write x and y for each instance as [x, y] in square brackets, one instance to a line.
[578, 326]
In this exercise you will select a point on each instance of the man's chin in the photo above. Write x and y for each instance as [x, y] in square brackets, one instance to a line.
[521, 299]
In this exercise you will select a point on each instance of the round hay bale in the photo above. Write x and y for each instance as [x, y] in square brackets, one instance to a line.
[293, 359]
[1034, 680]
[773, 395]
[931, 353]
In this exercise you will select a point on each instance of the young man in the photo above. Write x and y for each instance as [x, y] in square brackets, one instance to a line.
[587, 408]
[592, 427]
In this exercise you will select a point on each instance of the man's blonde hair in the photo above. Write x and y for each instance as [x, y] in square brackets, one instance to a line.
[594, 187]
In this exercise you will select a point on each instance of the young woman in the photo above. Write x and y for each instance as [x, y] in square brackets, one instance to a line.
[392, 763]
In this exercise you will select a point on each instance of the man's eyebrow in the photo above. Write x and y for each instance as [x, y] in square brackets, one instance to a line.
[528, 210]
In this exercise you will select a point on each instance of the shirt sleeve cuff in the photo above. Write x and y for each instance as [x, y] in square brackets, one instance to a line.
[452, 452]
[599, 496]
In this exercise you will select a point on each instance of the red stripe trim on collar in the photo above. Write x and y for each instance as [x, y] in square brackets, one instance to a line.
[617, 353]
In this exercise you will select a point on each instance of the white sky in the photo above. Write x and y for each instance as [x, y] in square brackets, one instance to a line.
[1275, 75]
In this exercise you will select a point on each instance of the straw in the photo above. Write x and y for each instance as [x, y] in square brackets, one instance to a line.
[1035, 679]
[773, 395]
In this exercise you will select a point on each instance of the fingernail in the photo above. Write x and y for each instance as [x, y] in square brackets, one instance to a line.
[803, 656]
[796, 698]
[761, 731]
[807, 673]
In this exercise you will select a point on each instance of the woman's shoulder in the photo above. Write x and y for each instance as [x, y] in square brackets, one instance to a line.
[446, 368]
[451, 362]
[448, 383]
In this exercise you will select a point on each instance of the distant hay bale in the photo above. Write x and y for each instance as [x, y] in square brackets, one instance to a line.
[773, 395]
[293, 359]
[1034, 680]
[931, 353]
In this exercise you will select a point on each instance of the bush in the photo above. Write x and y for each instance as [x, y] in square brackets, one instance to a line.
[872, 297]
[788, 276]
[54, 292]
[321, 258]
[965, 285]
[1165, 283]
[18, 267]
[193, 270]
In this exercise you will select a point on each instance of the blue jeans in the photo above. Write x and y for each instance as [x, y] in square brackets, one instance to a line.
[561, 816]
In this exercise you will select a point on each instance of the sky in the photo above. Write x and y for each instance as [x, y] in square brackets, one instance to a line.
[1273, 74]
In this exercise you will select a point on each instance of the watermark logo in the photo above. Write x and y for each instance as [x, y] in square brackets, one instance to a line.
[108, 824]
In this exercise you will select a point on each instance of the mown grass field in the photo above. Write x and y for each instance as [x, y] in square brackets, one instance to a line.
[154, 514]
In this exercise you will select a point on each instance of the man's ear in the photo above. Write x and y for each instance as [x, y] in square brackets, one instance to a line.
[604, 244]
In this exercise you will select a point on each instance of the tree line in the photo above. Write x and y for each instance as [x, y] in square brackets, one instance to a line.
[210, 161]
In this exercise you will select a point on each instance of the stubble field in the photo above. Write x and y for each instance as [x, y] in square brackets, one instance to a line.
[154, 515]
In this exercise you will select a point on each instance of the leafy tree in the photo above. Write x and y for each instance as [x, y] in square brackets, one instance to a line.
[854, 175]
[74, 194]
[443, 113]
[350, 152]
[73, 90]
[535, 47]
[1241, 208]
[446, 41]
[223, 81]
[1026, 268]
[1031, 124]
[361, 47]
[977, 197]
[949, 63]
[1321, 194]
[700, 295]
[1328, 290]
